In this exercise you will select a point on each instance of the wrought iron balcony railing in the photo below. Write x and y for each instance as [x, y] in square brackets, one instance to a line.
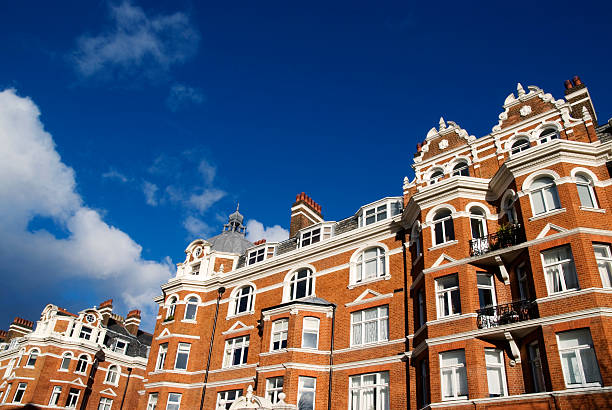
[508, 236]
[505, 314]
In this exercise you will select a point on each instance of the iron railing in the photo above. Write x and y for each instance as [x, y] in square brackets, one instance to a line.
[505, 314]
[508, 236]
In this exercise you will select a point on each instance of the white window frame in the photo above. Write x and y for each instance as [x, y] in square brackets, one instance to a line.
[113, 372]
[21, 389]
[458, 171]
[292, 285]
[420, 310]
[523, 282]
[497, 367]
[457, 371]
[316, 233]
[174, 401]
[442, 222]
[546, 135]
[553, 192]
[558, 266]
[379, 211]
[66, 358]
[238, 296]
[444, 297]
[79, 361]
[578, 351]
[517, 149]
[105, 403]
[280, 333]
[381, 259]
[302, 389]
[604, 264]
[585, 182]
[34, 353]
[85, 333]
[171, 309]
[191, 301]
[223, 401]
[310, 326]
[488, 287]
[358, 320]
[7, 392]
[55, 396]
[260, 253]
[183, 349]
[381, 390]
[73, 398]
[152, 401]
[162, 352]
[480, 219]
[435, 176]
[231, 345]
[118, 349]
[415, 238]
[273, 388]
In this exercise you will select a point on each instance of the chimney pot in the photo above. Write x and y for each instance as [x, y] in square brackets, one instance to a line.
[568, 84]
[577, 81]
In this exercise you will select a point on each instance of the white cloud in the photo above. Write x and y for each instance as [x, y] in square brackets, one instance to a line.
[150, 191]
[136, 43]
[114, 174]
[35, 183]
[207, 170]
[206, 199]
[182, 95]
[196, 227]
[257, 231]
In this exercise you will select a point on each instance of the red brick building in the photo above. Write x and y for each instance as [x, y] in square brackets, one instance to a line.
[91, 360]
[488, 284]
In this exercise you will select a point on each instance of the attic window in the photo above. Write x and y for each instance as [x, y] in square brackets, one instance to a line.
[85, 333]
[379, 211]
[195, 269]
[318, 233]
[120, 346]
[258, 254]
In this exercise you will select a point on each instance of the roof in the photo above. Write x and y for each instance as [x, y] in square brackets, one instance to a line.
[604, 131]
[138, 344]
[230, 241]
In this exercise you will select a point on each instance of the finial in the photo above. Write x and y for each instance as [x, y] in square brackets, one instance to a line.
[237, 206]
[520, 89]
[442, 124]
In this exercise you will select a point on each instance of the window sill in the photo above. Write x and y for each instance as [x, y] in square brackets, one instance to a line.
[598, 210]
[189, 321]
[167, 322]
[366, 282]
[236, 367]
[584, 385]
[547, 214]
[443, 245]
[273, 352]
[371, 344]
[230, 317]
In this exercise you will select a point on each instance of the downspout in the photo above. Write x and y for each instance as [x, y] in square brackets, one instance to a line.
[126, 386]
[331, 358]
[402, 234]
[220, 291]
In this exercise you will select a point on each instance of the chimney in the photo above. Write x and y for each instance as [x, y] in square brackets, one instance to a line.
[3, 335]
[577, 94]
[132, 321]
[304, 213]
[259, 242]
[19, 327]
[106, 310]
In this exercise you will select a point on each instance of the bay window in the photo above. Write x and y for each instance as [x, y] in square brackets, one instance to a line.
[544, 196]
[559, 269]
[580, 367]
[280, 330]
[443, 228]
[604, 264]
[496, 374]
[453, 375]
[448, 296]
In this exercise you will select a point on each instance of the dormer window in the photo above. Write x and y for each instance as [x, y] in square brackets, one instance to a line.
[85, 333]
[195, 269]
[120, 346]
[318, 233]
[379, 211]
[260, 253]
[436, 176]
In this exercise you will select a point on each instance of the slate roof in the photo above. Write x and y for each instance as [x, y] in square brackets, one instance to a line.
[230, 241]
[138, 344]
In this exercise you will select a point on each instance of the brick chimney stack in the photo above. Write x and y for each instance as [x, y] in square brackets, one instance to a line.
[3, 335]
[304, 213]
[19, 327]
[132, 321]
[577, 94]
[106, 310]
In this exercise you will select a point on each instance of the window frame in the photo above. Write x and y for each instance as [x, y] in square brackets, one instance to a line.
[517, 149]
[20, 390]
[548, 134]
[230, 347]
[440, 309]
[85, 331]
[171, 308]
[107, 405]
[362, 321]
[82, 359]
[488, 287]
[118, 349]
[587, 183]
[606, 278]
[282, 334]
[549, 268]
[311, 330]
[359, 264]
[480, 218]
[237, 297]
[324, 231]
[381, 389]
[176, 403]
[302, 389]
[152, 405]
[66, 356]
[273, 389]
[222, 395]
[551, 189]
[182, 349]
[457, 371]
[435, 176]
[58, 390]
[114, 371]
[444, 225]
[463, 171]
[35, 353]
[577, 350]
[162, 353]
[293, 282]
[73, 398]
[497, 367]
[190, 302]
[380, 211]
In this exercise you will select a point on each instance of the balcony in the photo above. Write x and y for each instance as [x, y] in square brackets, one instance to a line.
[506, 314]
[505, 237]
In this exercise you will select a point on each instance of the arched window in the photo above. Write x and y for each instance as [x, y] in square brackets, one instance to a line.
[244, 300]
[586, 193]
[519, 145]
[461, 169]
[191, 308]
[66, 358]
[478, 222]
[548, 134]
[415, 237]
[436, 176]
[301, 284]
[370, 264]
[32, 358]
[112, 375]
[444, 230]
[171, 308]
[508, 208]
[81, 364]
[544, 195]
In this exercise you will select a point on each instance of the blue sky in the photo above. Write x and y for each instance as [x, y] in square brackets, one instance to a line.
[156, 118]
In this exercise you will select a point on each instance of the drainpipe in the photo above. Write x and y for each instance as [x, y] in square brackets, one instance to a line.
[220, 291]
[126, 386]
[331, 358]
[402, 235]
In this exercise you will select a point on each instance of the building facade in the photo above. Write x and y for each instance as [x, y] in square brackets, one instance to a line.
[487, 284]
[95, 359]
